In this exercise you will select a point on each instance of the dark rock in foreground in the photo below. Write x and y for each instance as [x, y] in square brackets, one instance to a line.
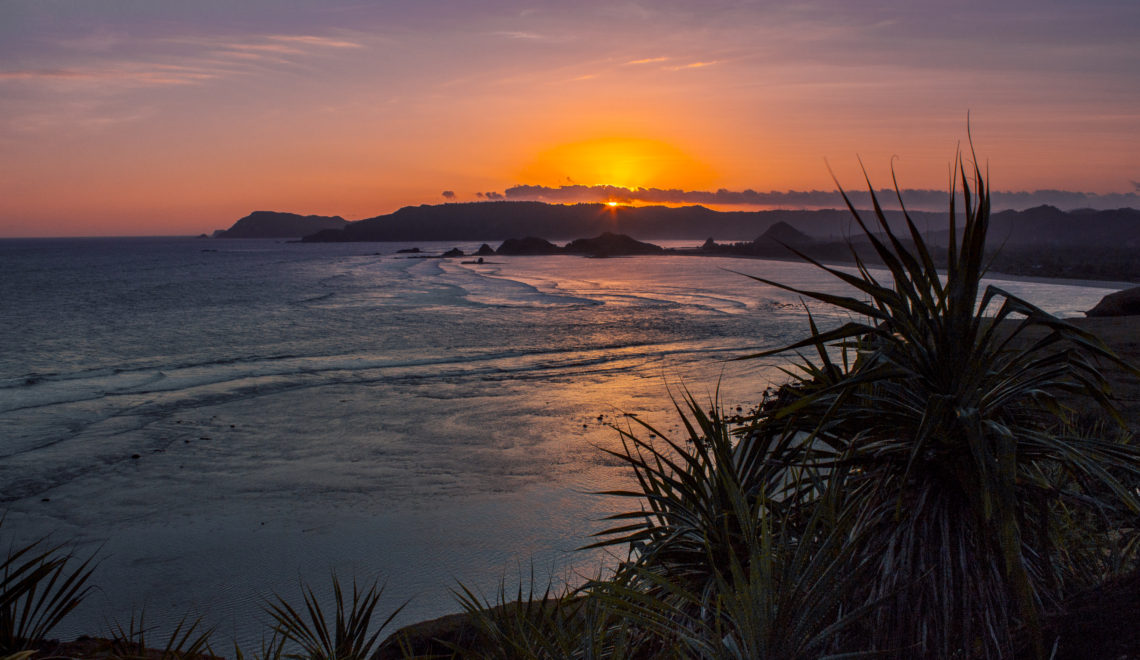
[271, 224]
[1121, 303]
[1097, 623]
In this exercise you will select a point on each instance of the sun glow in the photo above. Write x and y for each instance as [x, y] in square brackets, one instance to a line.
[621, 162]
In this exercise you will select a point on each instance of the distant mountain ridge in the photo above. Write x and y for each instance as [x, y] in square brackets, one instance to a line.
[1048, 225]
[496, 221]
[501, 220]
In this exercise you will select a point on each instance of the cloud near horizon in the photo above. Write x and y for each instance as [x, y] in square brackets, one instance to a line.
[917, 199]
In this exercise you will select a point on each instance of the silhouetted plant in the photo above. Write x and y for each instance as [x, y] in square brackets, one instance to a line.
[185, 641]
[346, 637]
[737, 548]
[40, 584]
[544, 625]
[949, 422]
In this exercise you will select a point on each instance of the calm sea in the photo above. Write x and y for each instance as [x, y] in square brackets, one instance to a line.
[220, 419]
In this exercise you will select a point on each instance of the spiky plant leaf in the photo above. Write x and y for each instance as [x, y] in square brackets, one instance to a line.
[345, 637]
[189, 639]
[39, 586]
[549, 625]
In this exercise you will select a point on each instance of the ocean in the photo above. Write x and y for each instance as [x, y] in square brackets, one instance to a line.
[219, 420]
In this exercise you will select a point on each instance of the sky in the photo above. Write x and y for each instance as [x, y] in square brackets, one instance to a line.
[162, 117]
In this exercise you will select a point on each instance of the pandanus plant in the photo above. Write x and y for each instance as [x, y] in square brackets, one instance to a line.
[947, 415]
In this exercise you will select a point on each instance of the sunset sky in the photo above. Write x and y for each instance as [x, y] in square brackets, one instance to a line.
[165, 117]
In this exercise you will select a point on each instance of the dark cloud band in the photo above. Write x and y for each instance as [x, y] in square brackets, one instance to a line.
[914, 198]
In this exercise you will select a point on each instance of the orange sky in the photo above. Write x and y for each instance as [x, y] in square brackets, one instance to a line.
[179, 118]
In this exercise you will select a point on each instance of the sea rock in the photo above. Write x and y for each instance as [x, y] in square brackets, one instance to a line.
[484, 251]
[611, 245]
[528, 245]
[1121, 303]
[453, 252]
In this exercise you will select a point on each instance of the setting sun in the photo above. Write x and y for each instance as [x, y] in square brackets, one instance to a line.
[614, 161]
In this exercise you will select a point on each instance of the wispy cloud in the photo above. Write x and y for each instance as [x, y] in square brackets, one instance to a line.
[129, 75]
[693, 65]
[647, 60]
[47, 74]
[528, 36]
[208, 58]
[267, 48]
[310, 40]
[85, 116]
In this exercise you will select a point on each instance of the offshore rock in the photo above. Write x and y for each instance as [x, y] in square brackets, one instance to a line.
[527, 246]
[611, 245]
[1121, 303]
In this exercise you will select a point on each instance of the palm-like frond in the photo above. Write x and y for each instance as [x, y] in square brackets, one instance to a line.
[784, 596]
[188, 640]
[346, 637]
[537, 625]
[687, 490]
[39, 586]
[738, 547]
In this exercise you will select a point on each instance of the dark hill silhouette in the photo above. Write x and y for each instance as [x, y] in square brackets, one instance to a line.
[1043, 226]
[1048, 225]
[272, 224]
[498, 221]
[782, 233]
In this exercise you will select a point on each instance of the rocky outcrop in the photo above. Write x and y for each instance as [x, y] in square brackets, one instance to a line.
[271, 224]
[484, 251]
[1121, 303]
[611, 245]
[528, 245]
